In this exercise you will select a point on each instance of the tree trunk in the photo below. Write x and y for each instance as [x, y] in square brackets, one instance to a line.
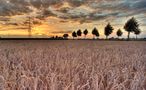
[136, 37]
[106, 37]
[128, 35]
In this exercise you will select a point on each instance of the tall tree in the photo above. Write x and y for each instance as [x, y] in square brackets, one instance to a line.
[95, 33]
[131, 26]
[74, 34]
[119, 33]
[85, 32]
[79, 33]
[108, 30]
[137, 32]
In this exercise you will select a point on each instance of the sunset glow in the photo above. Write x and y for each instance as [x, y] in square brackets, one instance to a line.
[56, 17]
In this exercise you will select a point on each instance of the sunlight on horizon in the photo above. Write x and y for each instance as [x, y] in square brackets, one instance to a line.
[66, 16]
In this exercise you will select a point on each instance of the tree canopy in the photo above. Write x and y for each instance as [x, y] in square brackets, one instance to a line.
[74, 34]
[65, 36]
[137, 32]
[95, 32]
[79, 32]
[119, 33]
[85, 32]
[131, 26]
[108, 30]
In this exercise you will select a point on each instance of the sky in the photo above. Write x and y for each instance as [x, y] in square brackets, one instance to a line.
[56, 17]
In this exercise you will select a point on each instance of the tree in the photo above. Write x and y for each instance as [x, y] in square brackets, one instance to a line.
[56, 37]
[95, 33]
[137, 32]
[108, 30]
[131, 26]
[65, 36]
[74, 34]
[85, 32]
[79, 32]
[119, 33]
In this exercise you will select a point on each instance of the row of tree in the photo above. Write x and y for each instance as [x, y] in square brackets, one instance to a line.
[131, 26]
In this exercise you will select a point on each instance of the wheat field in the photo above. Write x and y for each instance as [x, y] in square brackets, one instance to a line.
[72, 65]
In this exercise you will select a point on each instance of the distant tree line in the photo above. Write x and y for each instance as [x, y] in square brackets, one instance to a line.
[131, 26]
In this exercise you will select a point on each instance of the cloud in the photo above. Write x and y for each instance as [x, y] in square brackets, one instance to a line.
[76, 10]
[61, 32]
[44, 14]
[76, 3]
[141, 4]
[8, 9]
[5, 19]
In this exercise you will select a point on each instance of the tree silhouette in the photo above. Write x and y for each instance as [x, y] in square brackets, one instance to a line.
[56, 37]
[131, 26]
[85, 32]
[95, 33]
[79, 33]
[119, 33]
[108, 30]
[74, 34]
[65, 36]
[137, 32]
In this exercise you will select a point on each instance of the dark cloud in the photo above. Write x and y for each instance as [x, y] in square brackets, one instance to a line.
[8, 9]
[11, 23]
[63, 21]
[99, 16]
[101, 9]
[36, 3]
[37, 22]
[5, 19]
[46, 13]
[22, 28]
[64, 10]
[13, 28]
[33, 21]
[20, 2]
[76, 3]
[139, 4]
[16, 7]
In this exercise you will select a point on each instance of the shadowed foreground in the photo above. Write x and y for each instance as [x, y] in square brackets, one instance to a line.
[72, 65]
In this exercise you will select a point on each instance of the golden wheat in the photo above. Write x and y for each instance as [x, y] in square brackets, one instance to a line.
[72, 65]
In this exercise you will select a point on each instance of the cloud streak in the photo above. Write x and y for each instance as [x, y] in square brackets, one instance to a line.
[82, 11]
